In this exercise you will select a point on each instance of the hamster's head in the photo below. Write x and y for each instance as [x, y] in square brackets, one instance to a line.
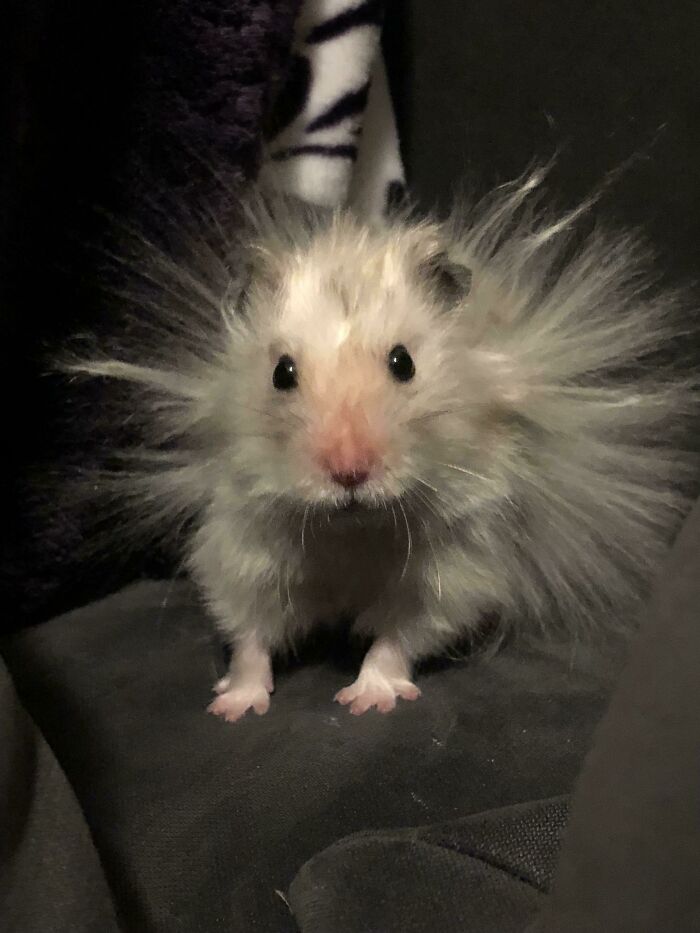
[356, 378]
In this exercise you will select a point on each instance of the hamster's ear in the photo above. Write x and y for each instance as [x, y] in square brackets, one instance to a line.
[240, 290]
[450, 281]
[259, 273]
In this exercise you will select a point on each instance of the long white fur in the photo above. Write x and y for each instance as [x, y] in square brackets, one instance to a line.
[534, 466]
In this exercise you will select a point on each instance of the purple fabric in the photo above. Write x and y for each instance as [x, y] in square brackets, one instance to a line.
[152, 103]
[211, 70]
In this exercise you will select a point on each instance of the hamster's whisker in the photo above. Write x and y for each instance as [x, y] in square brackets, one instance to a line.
[435, 560]
[289, 593]
[283, 417]
[409, 539]
[432, 508]
[461, 469]
[428, 416]
[303, 528]
[268, 511]
[267, 435]
[424, 483]
[425, 501]
[439, 496]
[393, 515]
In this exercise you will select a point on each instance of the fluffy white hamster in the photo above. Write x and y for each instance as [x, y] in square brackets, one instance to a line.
[412, 422]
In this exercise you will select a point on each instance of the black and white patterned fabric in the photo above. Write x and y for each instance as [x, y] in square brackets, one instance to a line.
[332, 138]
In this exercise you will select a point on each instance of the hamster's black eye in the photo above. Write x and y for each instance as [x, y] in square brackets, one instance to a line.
[400, 364]
[284, 377]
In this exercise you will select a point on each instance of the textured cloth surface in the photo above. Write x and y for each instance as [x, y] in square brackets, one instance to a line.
[51, 880]
[198, 823]
[481, 874]
[632, 853]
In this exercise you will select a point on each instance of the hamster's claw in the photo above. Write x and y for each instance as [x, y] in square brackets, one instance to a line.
[234, 701]
[378, 691]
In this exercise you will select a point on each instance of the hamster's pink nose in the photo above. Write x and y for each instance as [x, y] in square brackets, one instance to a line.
[350, 480]
[346, 451]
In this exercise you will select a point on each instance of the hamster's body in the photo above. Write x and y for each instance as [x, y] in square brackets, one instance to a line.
[413, 424]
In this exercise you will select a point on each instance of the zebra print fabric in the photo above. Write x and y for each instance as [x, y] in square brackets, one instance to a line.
[332, 138]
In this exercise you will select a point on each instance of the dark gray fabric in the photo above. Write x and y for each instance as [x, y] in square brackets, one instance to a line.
[631, 861]
[481, 874]
[400, 886]
[199, 823]
[51, 880]
[522, 839]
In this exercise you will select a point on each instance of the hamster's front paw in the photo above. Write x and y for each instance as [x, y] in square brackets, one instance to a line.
[236, 698]
[375, 689]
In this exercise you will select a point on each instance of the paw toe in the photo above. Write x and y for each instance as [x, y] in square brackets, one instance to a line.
[262, 705]
[344, 696]
[360, 705]
[385, 704]
[408, 691]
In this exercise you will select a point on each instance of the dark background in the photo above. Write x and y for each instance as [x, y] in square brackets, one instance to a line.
[481, 90]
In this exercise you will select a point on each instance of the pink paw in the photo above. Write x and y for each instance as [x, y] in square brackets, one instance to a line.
[234, 702]
[377, 691]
